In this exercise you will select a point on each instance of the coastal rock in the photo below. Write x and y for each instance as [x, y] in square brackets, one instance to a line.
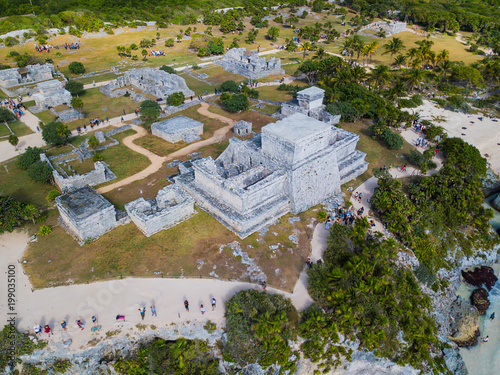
[496, 202]
[464, 323]
[454, 361]
[491, 184]
[479, 276]
[479, 299]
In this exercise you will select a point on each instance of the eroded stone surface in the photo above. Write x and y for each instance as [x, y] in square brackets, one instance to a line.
[50, 94]
[28, 74]
[249, 64]
[180, 128]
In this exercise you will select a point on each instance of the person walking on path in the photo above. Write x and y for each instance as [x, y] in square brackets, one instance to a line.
[186, 305]
[153, 310]
[46, 329]
[94, 320]
[38, 330]
[202, 309]
[63, 324]
[143, 312]
[214, 302]
[264, 285]
[80, 324]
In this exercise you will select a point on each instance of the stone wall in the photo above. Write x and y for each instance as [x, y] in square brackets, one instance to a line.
[249, 64]
[100, 174]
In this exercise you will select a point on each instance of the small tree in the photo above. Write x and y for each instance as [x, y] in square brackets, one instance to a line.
[31, 212]
[168, 69]
[236, 103]
[77, 103]
[273, 33]
[40, 172]
[31, 155]
[56, 133]
[44, 230]
[93, 142]
[76, 67]
[176, 98]
[75, 88]
[169, 42]
[150, 110]
[6, 115]
[144, 54]
[229, 86]
[53, 194]
[13, 140]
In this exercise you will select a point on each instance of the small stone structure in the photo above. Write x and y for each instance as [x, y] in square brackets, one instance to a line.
[67, 115]
[86, 214]
[310, 103]
[180, 128]
[249, 64]
[150, 81]
[171, 206]
[390, 28]
[295, 164]
[242, 128]
[100, 136]
[50, 94]
[28, 74]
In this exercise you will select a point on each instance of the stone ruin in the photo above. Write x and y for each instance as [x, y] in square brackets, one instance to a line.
[171, 206]
[310, 103]
[85, 214]
[150, 81]
[29, 74]
[295, 164]
[249, 64]
[242, 128]
[50, 94]
[180, 128]
[390, 28]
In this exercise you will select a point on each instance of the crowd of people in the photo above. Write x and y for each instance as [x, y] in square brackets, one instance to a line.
[154, 53]
[92, 122]
[17, 108]
[71, 45]
[44, 47]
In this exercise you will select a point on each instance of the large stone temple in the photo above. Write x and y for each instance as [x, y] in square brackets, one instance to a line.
[249, 64]
[293, 165]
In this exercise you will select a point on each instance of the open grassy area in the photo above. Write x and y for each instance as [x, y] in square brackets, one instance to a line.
[18, 127]
[46, 116]
[125, 251]
[272, 92]
[99, 78]
[258, 120]
[199, 87]
[268, 108]
[378, 155]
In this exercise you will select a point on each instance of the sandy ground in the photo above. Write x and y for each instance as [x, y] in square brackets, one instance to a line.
[110, 298]
[485, 134]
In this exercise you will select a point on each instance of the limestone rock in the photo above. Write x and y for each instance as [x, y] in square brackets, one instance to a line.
[464, 323]
[454, 361]
[496, 202]
[479, 299]
[491, 184]
[479, 276]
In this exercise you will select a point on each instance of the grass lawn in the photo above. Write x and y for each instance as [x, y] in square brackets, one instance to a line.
[45, 116]
[378, 155]
[125, 251]
[217, 75]
[18, 127]
[272, 92]
[4, 131]
[269, 108]
[100, 78]
[199, 87]
[29, 103]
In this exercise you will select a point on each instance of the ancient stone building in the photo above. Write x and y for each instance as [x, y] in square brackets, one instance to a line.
[293, 165]
[50, 94]
[86, 214]
[180, 128]
[242, 128]
[28, 74]
[249, 64]
[171, 206]
[310, 103]
[150, 81]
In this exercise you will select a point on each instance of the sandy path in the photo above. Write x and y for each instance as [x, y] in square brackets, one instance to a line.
[157, 161]
[108, 298]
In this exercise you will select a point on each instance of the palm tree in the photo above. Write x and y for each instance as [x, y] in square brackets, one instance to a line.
[393, 47]
[358, 73]
[443, 55]
[396, 91]
[414, 78]
[379, 76]
[399, 61]
[357, 44]
[320, 54]
[444, 68]
[305, 46]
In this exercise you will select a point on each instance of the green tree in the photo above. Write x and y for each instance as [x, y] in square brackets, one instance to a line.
[93, 142]
[176, 99]
[40, 172]
[168, 69]
[273, 33]
[304, 47]
[229, 86]
[144, 54]
[56, 133]
[393, 47]
[77, 103]
[31, 212]
[150, 110]
[28, 157]
[74, 87]
[236, 103]
[6, 115]
[169, 42]
[13, 140]
[76, 67]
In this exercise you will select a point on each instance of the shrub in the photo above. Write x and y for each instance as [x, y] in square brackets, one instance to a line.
[176, 98]
[97, 157]
[321, 215]
[229, 86]
[394, 141]
[345, 109]
[40, 172]
[168, 69]
[56, 133]
[30, 156]
[416, 158]
[433, 131]
[44, 230]
[6, 115]
[76, 67]
[236, 103]
[53, 194]
[13, 140]
[10, 41]
[457, 103]
[150, 110]
[75, 88]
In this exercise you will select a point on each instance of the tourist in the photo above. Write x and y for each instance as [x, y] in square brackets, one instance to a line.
[120, 317]
[94, 320]
[264, 285]
[492, 316]
[360, 196]
[153, 310]
[38, 330]
[486, 339]
[143, 312]
[46, 329]
[80, 324]
[202, 309]
[186, 305]
[63, 324]
[213, 304]
[356, 196]
[309, 263]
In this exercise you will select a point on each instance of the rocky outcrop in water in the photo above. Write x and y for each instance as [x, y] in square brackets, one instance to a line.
[480, 301]
[464, 323]
[496, 202]
[479, 276]
[491, 184]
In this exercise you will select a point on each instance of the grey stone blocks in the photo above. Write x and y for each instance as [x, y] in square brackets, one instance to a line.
[180, 128]
[249, 64]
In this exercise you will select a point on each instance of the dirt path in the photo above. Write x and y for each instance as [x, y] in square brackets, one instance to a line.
[107, 299]
[156, 160]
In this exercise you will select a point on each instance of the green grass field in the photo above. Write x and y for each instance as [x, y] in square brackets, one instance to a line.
[18, 127]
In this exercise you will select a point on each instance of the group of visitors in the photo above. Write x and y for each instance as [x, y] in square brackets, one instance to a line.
[44, 47]
[17, 108]
[347, 216]
[47, 329]
[157, 53]
[92, 122]
[72, 46]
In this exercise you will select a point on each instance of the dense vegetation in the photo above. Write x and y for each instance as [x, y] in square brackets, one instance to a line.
[14, 343]
[178, 357]
[363, 295]
[436, 213]
[259, 326]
